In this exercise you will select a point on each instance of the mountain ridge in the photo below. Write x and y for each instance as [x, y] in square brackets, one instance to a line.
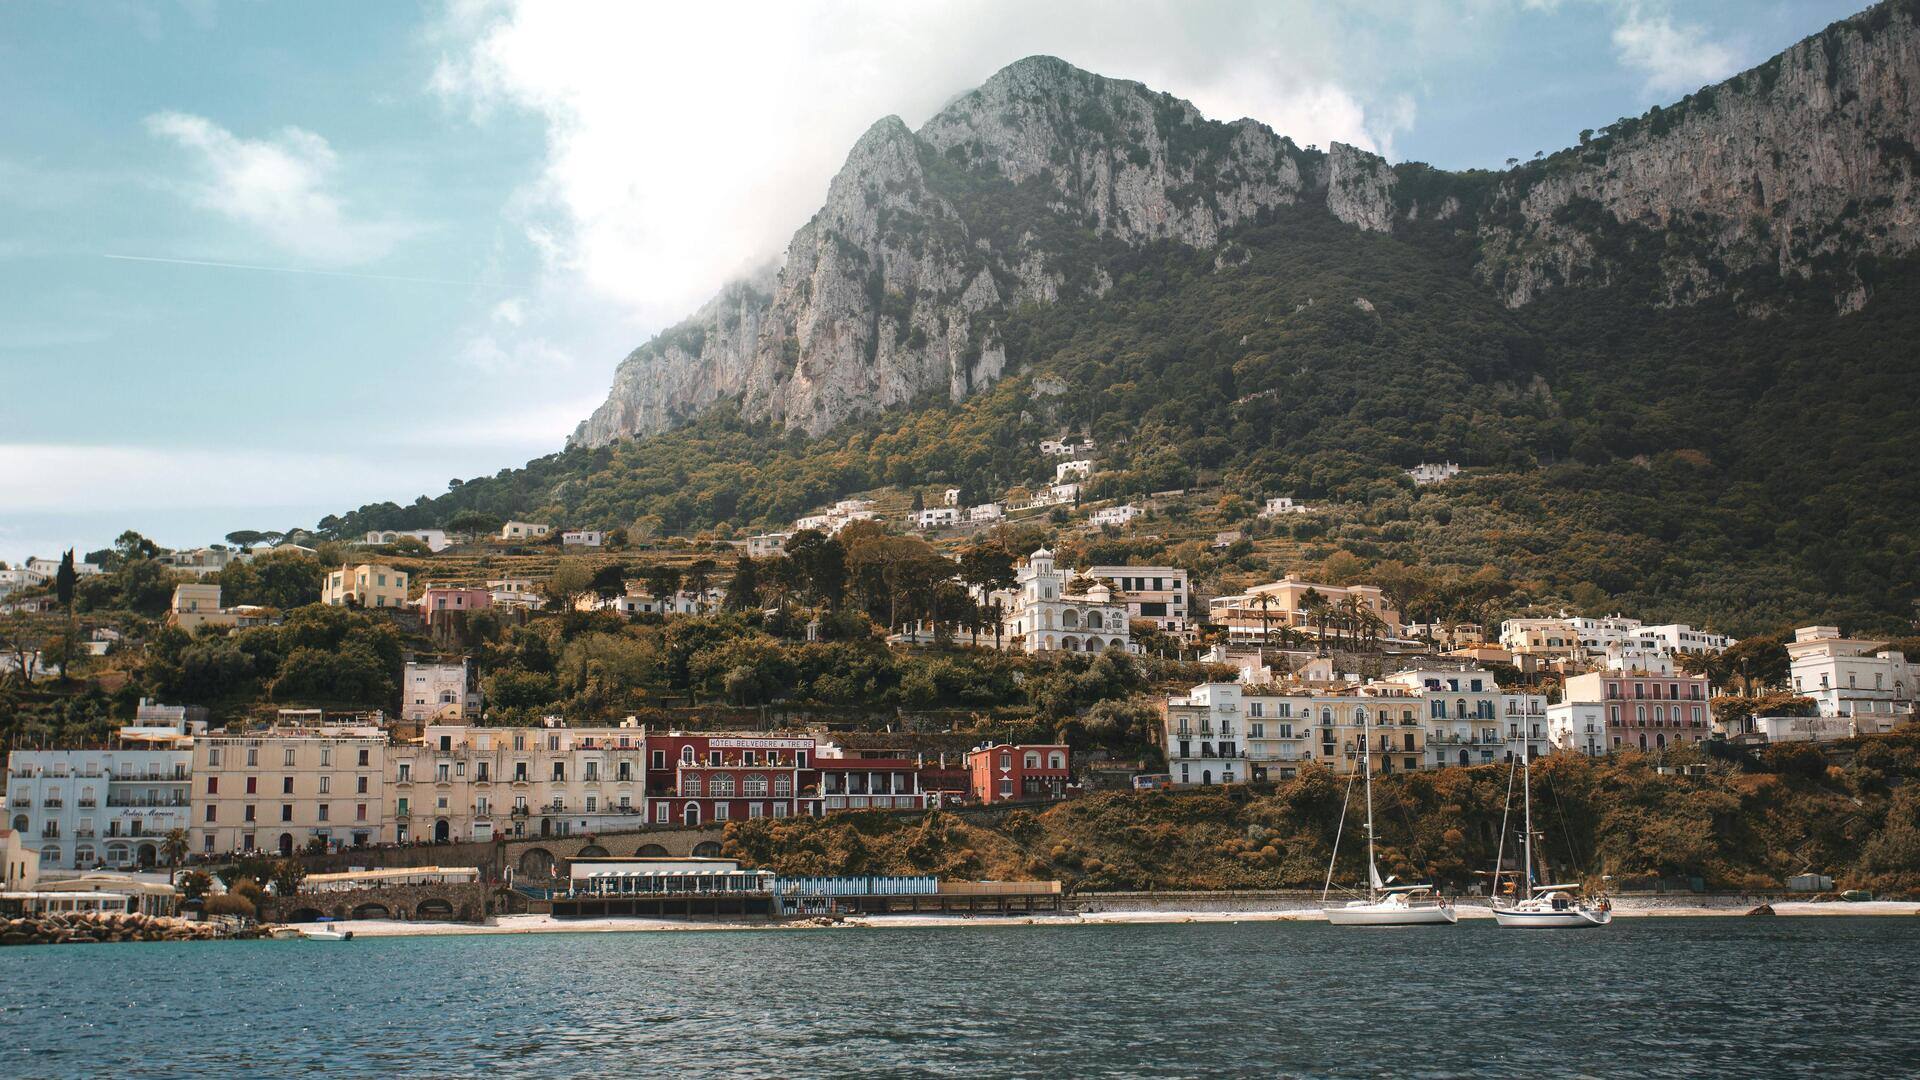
[899, 286]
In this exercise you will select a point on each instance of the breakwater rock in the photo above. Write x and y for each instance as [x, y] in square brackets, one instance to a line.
[87, 928]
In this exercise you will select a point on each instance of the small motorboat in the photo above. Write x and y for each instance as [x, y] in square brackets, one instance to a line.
[325, 933]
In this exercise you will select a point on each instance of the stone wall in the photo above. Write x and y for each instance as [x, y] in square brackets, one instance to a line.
[466, 902]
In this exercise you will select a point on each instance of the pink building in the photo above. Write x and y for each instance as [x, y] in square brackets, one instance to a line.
[1646, 711]
[438, 601]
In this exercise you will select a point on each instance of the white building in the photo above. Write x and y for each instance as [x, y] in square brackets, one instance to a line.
[51, 567]
[1817, 729]
[936, 517]
[523, 530]
[1580, 726]
[1462, 714]
[1572, 636]
[767, 545]
[1281, 505]
[1067, 445]
[1856, 677]
[1158, 594]
[201, 561]
[1072, 470]
[1115, 515]
[514, 593]
[838, 516]
[435, 539]
[950, 497]
[638, 601]
[583, 538]
[1044, 612]
[438, 693]
[1429, 473]
[84, 808]
[1677, 638]
[986, 513]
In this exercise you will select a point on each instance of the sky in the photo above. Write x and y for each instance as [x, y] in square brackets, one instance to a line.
[260, 263]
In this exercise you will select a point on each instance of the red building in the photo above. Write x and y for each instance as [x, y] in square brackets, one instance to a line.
[1008, 773]
[440, 601]
[697, 778]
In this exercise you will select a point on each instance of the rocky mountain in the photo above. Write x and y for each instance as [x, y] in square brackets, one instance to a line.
[1027, 188]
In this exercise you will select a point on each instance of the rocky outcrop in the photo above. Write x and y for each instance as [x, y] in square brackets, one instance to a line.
[1805, 163]
[1359, 188]
[897, 287]
[86, 928]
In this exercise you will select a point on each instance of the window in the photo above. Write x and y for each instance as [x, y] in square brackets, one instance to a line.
[213, 785]
[559, 770]
[286, 812]
[253, 757]
[690, 784]
[592, 803]
[361, 786]
[213, 756]
[326, 785]
[659, 759]
[747, 757]
[286, 785]
[406, 772]
[480, 771]
[1006, 760]
[441, 774]
[753, 786]
[289, 755]
[247, 813]
[626, 771]
[210, 809]
[593, 771]
[720, 811]
[360, 811]
[363, 757]
[323, 811]
[660, 812]
[1032, 759]
[252, 782]
[1056, 759]
[721, 785]
[713, 757]
[782, 786]
[326, 756]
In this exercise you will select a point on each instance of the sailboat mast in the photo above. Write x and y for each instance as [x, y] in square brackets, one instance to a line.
[1366, 766]
[1528, 786]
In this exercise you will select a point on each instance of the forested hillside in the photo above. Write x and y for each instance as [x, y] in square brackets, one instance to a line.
[1677, 364]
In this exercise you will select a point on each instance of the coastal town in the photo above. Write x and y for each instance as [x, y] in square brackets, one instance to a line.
[444, 777]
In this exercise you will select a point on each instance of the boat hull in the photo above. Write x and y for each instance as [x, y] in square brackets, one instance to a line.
[1388, 915]
[1570, 919]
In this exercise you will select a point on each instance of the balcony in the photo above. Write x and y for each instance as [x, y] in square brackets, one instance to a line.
[86, 804]
[136, 800]
[83, 834]
[519, 812]
[50, 832]
[52, 804]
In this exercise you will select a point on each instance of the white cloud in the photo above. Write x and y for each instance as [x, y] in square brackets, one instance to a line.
[1676, 58]
[281, 188]
[685, 143]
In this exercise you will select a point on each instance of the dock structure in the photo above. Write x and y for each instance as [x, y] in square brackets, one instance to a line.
[693, 888]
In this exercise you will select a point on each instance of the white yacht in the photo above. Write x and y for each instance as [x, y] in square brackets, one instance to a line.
[1544, 907]
[1386, 904]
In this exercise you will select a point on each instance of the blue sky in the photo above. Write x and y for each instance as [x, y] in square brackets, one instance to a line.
[445, 224]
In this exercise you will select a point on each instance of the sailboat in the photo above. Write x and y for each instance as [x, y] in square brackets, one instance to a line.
[1544, 907]
[1386, 904]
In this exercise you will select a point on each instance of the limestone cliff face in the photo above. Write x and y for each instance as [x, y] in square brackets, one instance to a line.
[1022, 190]
[896, 287]
[1805, 163]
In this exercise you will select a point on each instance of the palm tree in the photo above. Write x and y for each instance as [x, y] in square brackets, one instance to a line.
[174, 849]
[1315, 605]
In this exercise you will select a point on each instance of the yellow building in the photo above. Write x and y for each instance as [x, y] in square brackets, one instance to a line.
[371, 585]
[474, 783]
[197, 605]
[281, 788]
[1390, 736]
[1354, 611]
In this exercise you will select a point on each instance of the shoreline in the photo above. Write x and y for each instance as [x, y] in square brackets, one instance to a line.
[547, 924]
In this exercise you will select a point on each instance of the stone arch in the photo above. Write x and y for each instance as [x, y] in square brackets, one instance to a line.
[690, 814]
[434, 908]
[305, 914]
[593, 851]
[441, 831]
[372, 911]
[536, 863]
[650, 851]
[1070, 643]
[1116, 643]
[117, 852]
[707, 849]
[1069, 619]
[286, 844]
[19, 823]
[148, 855]
[1094, 622]
[1465, 759]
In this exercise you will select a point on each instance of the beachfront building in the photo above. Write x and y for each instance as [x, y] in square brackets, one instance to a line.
[1640, 710]
[83, 808]
[1865, 679]
[1051, 610]
[1580, 726]
[460, 782]
[1156, 594]
[368, 585]
[1007, 772]
[287, 787]
[1251, 617]
[694, 778]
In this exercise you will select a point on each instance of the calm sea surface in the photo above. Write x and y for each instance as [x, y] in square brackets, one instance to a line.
[1644, 997]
